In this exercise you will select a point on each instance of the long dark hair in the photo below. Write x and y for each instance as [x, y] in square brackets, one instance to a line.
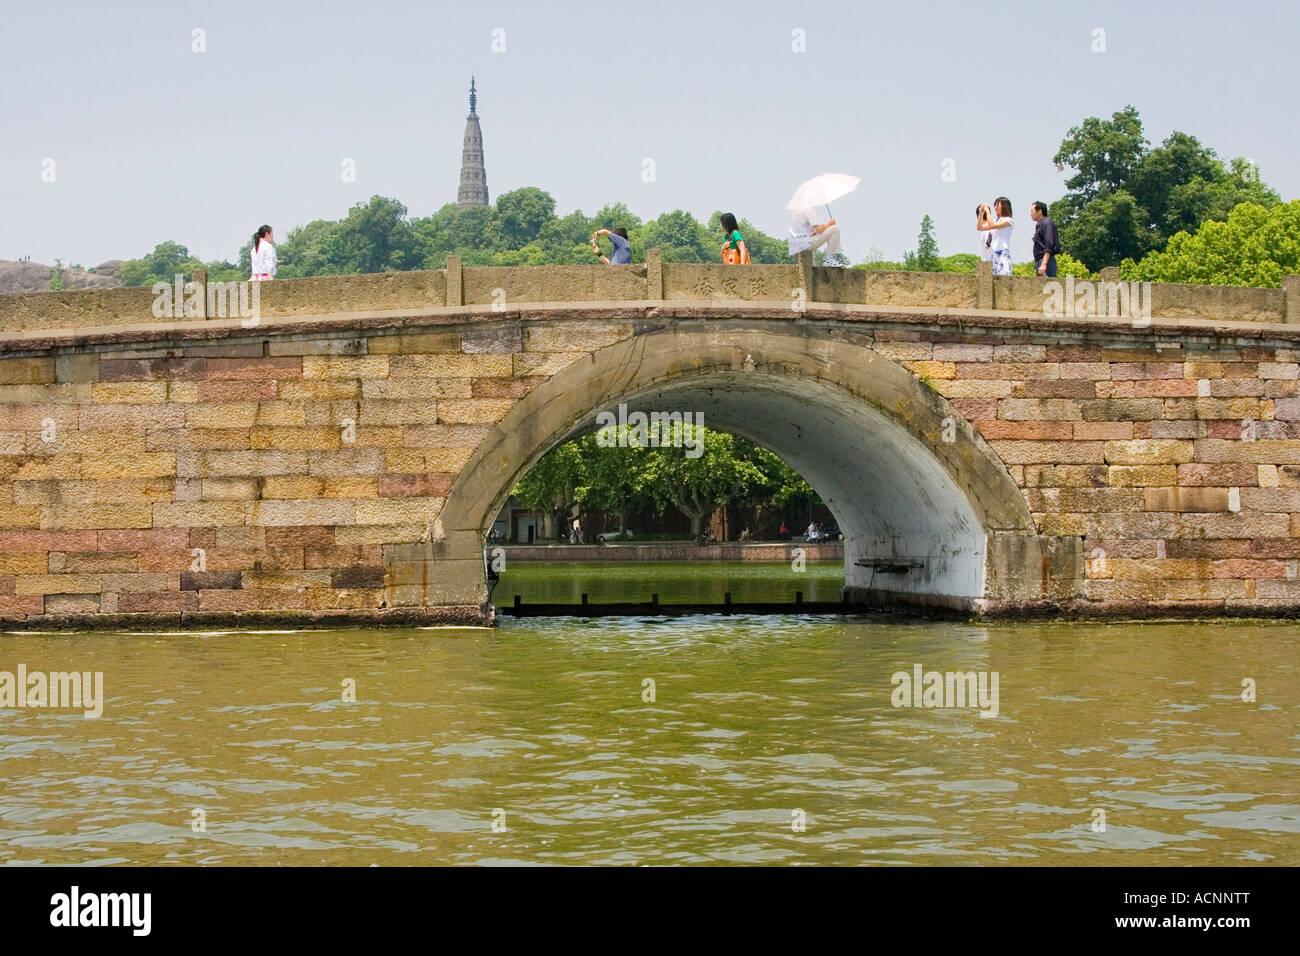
[1003, 206]
[257, 236]
[729, 224]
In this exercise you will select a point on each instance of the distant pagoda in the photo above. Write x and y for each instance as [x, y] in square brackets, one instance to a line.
[473, 174]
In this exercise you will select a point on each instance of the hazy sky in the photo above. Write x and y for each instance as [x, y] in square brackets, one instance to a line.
[152, 141]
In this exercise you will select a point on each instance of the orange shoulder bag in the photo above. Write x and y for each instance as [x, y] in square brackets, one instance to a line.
[736, 257]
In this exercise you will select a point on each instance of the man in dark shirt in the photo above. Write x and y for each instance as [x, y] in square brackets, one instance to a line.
[1046, 243]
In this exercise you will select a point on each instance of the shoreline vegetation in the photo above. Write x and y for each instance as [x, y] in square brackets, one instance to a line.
[656, 491]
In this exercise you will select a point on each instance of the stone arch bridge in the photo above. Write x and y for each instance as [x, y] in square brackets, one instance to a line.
[338, 455]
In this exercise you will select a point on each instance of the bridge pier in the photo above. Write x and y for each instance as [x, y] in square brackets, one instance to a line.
[447, 575]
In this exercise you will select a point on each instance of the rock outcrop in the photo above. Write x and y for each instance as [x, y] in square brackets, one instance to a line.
[35, 276]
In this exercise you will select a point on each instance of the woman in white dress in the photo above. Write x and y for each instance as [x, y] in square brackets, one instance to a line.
[1000, 229]
[263, 255]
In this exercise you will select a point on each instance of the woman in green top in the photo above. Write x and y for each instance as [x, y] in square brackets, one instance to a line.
[734, 250]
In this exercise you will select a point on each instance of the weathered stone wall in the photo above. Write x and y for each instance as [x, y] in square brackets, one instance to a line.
[696, 282]
[507, 284]
[74, 309]
[1168, 300]
[360, 293]
[925, 289]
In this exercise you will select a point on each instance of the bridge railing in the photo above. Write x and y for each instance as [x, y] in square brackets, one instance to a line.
[498, 288]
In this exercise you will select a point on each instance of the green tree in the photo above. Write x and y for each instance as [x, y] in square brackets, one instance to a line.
[699, 486]
[221, 271]
[1256, 246]
[927, 247]
[522, 214]
[56, 277]
[1126, 200]
[1168, 181]
[566, 239]
[614, 475]
[782, 485]
[1108, 229]
[162, 265]
[960, 262]
[475, 227]
[310, 250]
[613, 215]
[1103, 154]
[375, 236]
[433, 237]
[878, 261]
[530, 255]
[552, 485]
[1065, 266]
[620, 477]
[679, 238]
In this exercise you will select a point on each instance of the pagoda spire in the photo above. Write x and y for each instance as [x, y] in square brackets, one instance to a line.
[473, 174]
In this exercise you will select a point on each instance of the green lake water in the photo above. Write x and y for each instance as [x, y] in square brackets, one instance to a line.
[545, 582]
[768, 740]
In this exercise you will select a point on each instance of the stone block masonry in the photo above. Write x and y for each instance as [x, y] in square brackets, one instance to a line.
[1148, 481]
[212, 482]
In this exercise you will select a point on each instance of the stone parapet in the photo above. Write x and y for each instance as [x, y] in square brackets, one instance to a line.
[506, 288]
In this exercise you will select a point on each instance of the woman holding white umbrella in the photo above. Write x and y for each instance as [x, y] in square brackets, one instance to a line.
[804, 232]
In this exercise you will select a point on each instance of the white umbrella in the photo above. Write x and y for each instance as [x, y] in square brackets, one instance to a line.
[820, 190]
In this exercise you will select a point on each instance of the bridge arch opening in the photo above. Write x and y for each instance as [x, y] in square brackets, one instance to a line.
[930, 515]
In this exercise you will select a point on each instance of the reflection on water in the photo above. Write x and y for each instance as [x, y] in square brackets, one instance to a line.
[674, 582]
[754, 719]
